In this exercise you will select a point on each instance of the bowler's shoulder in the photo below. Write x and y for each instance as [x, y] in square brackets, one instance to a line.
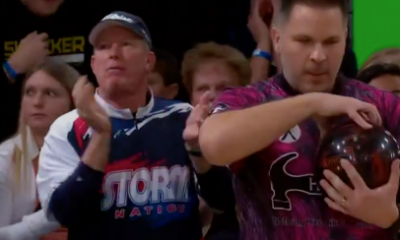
[248, 95]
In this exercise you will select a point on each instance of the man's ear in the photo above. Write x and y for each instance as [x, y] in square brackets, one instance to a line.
[275, 36]
[151, 61]
[172, 91]
[92, 65]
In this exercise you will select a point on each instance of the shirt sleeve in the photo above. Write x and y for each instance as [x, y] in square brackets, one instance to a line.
[233, 99]
[6, 201]
[237, 99]
[32, 226]
[67, 188]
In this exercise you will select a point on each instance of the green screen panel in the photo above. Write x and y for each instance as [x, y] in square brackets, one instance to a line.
[376, 25]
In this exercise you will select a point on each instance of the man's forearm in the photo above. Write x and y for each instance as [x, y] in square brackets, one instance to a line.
[96, 154]
[215, 183]
[259, 65]
[6, 79]
[74, 198]
[15, 67]
[234, 135]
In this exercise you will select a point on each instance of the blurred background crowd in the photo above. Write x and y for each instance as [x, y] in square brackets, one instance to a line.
[200, 45]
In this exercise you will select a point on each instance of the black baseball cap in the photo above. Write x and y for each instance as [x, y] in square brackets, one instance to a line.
[122, 19]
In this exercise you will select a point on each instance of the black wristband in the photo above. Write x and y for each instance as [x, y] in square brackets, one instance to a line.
[394, 229]
[195, 153]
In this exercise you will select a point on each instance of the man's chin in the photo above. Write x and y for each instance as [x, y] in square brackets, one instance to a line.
[310, 88]
[46, 12]
[116, 86]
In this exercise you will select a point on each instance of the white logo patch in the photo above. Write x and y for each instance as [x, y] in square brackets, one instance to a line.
[291, 136]
[114, 16]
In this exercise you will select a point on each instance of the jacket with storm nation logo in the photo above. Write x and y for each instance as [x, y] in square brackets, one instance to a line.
[147, 190]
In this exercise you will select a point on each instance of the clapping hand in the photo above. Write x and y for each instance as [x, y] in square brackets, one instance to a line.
[256, 24]
[199, 113]
[191, 133]
[87, 107]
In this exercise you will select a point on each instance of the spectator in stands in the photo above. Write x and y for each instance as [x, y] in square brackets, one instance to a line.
[388, 55]
[212, 67]
[265, 62]
[46, 96]
[262, 62]
[32, 30]
[123, 134]
[164, 79]
[385, 76]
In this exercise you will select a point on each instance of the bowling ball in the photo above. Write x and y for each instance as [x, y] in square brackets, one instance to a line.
[370, 151]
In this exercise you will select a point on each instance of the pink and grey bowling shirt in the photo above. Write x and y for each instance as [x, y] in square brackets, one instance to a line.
[277, 195]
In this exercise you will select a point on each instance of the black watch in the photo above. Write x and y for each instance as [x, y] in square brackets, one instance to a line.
[195, 152]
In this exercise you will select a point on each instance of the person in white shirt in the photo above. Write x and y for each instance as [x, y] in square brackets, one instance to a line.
[46, 96]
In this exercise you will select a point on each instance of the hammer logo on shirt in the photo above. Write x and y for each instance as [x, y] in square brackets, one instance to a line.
[283, 182]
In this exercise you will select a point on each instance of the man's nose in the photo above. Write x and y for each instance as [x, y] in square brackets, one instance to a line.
[115, 50]
[318, 54]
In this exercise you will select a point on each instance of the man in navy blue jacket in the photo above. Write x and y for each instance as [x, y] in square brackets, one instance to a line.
[121, 166]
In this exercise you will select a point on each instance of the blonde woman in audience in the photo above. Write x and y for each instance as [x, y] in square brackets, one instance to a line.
[211, 67]
[46, 96]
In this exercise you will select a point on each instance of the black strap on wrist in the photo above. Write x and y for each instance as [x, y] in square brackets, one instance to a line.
[394, 229]
[195, 153]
